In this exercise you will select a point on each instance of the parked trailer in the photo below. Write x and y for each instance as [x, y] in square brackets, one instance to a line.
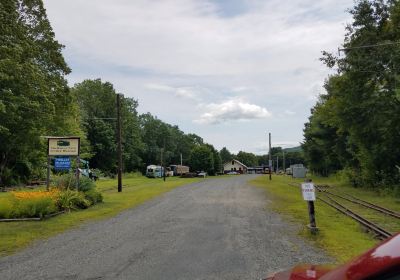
[179, 170]
[154, 171]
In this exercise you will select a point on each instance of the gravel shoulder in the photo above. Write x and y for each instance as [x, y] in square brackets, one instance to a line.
[213, 229]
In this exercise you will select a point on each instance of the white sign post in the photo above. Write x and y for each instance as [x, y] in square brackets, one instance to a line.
[308, 191]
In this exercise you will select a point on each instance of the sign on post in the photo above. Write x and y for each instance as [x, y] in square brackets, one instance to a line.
[308, 191]
[62, 163]
[63, 146]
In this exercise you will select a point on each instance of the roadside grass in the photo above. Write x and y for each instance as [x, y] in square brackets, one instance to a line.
[339, 235]
[136, 190]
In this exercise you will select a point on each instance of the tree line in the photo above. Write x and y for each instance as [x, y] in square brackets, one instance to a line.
[354, 128]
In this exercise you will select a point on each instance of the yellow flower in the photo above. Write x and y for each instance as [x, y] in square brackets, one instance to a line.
[21, 195]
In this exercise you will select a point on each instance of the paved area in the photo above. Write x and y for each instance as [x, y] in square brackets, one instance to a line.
[214, 229]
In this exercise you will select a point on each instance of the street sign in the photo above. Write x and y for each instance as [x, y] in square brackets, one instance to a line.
[62, 163]
[308, 191]
[59, 146]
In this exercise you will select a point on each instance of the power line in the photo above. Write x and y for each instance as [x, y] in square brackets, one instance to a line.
[368, 46]
[101, 118]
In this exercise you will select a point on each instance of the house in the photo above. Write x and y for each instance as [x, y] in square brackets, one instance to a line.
[235, 165]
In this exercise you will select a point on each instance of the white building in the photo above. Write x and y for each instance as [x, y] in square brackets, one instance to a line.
[235, 165]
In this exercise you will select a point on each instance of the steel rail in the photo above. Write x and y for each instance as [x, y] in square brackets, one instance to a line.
[364, 203]
[366, 223]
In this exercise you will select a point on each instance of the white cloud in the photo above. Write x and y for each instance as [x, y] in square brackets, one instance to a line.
[231, 110]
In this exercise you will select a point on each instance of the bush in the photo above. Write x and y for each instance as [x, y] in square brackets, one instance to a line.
[68, 181]
[27, 208]
[94, 196]
[6, 209]
[37, 207]
[70, 199]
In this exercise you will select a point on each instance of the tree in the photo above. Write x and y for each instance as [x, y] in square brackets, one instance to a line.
[34, 96]
[248, 159]
[202, 159]
[358, 117]
[226, 156]
[97, 101]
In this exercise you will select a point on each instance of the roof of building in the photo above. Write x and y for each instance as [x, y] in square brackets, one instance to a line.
[229, 162]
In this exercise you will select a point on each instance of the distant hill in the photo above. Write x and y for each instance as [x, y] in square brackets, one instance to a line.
[294, 149]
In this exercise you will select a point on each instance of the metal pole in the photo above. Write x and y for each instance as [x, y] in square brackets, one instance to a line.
[119, 140]
[269, 158]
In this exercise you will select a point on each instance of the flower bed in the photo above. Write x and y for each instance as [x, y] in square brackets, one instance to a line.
[38, 204]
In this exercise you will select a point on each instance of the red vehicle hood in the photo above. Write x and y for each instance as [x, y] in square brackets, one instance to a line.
[384, 258]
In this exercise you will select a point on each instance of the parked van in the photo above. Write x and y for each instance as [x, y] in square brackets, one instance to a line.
[154, 171]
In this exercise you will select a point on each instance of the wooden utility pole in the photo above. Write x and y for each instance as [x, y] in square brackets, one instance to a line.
[163, 166]
[270, 159]
[119, 142]
[48, 173]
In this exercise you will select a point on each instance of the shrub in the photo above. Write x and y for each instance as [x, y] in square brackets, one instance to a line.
[6, 209]
[70, 199]
[36, 207]
[94, 196]
[68, 181]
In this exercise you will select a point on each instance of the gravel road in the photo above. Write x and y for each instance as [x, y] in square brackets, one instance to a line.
[214, 229]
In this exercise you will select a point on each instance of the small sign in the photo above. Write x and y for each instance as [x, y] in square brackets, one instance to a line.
[63, 146]
[62, 163]
[308, 191]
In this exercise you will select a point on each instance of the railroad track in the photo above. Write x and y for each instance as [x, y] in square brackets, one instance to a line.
[364, 203]
[380, 232]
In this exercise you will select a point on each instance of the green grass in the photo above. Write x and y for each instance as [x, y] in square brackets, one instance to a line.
[339, 235]
[136, 190]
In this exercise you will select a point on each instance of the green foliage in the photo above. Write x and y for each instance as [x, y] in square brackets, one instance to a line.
[160, 138]
[355, 126]
[94, 196]
[6, 209]
[34, 96]
[97, 102]
[248, 159]
[202, 159]
[24, 208]
[68, 181]
[226, 156]
[70, 199]
[37, 207]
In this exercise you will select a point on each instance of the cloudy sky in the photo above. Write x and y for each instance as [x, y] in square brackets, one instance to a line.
[228, 70]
